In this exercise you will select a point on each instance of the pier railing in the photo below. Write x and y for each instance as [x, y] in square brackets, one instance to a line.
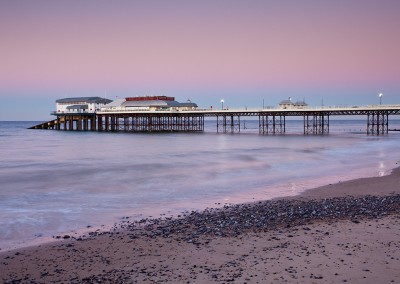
[247, 109]
[73, 112]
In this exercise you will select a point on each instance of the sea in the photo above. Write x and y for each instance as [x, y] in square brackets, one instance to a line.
[54, 183]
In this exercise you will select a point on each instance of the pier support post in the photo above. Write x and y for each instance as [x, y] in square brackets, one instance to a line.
[65, 122]
[316, 123]
[271, 124]
[378, 122]
[85, 123]
[112, 122]
[93, 123]
[70, 122]
[106, 123]
[228, 121]
[126, 123]
[79, 122]
[149, 123]
[99, 122]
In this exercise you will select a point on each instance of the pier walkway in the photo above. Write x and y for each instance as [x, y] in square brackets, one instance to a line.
[271, 120]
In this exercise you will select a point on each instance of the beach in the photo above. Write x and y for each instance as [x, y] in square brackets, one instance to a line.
[343, 232]
[199, 142]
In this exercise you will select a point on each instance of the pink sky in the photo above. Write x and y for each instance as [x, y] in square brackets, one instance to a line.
[264, 46]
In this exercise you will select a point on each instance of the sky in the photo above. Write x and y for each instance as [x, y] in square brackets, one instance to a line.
[326, 52]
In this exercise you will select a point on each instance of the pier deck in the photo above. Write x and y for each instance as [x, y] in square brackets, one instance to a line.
[271, 121]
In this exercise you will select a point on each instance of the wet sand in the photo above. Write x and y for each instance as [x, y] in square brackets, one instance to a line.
[345, 232]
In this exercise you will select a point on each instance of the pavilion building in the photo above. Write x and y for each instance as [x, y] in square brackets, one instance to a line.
[80, 105]
[148, 103]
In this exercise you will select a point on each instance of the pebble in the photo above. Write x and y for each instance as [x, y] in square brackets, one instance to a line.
[234, 220]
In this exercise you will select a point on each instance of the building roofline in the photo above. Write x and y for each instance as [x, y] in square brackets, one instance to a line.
[84, 100]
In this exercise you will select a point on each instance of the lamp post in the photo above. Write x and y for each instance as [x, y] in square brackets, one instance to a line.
[380, 98]
[222, 104]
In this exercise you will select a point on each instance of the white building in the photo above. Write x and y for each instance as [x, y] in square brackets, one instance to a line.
[80, 104]
[288, 104]
[148, 103]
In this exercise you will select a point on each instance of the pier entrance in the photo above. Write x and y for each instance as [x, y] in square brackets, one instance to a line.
[70, 121]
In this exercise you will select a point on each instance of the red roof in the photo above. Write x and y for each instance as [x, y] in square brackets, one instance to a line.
[151, 98]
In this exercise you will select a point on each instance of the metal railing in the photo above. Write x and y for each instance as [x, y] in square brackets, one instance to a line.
[246, 109]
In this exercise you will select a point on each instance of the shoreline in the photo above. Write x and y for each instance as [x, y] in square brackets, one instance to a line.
[311, 192]
[319, 217]
[359, 187]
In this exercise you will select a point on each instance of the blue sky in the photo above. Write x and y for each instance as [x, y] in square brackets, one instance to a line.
[339, 52]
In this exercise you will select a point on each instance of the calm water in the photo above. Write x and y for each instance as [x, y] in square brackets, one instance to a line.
[54, 181]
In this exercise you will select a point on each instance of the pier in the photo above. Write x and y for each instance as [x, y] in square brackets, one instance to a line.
[271, 121]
